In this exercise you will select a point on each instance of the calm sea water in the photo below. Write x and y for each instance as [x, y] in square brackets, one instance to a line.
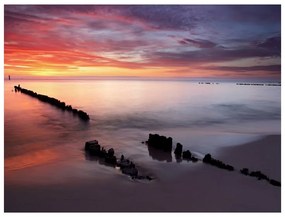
[41, 140]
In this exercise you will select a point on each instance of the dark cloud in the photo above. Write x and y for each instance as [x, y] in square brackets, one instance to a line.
[13, 18]
[251, 13]
[217, 54]
[273, 43]
[157, 16]
[175, 17]
[198, 43]
[179, 17]
[271, 68]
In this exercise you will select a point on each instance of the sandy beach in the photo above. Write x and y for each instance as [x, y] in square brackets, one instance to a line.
[177, 188]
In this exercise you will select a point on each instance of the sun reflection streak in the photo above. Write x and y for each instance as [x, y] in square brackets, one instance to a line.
[30, 160]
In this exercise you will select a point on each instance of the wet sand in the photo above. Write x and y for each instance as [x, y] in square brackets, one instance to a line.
[178, 188]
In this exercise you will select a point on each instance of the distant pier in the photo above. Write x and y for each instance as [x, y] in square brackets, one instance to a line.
[55, 102]
[260, 84]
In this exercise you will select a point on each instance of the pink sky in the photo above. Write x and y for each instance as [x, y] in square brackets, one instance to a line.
[145, 41]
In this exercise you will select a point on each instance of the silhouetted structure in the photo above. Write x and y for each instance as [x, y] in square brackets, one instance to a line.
[209, 160]
[244, 171]
[274, 182]
[158, 154]
[260, 176]
[259, 84]
[187, 155]
[178, 150]
[94, 151]
[55, 102]
[160, 142]
[160, 148]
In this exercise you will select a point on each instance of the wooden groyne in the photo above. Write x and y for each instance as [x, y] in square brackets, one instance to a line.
[55, 102]
[127, 167]
[165, 145]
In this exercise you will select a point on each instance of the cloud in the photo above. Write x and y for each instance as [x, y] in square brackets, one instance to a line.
[269, 68]
[210, 55]
[273, 43]
[171, 17]
[198, 43]
[25, 16]
[137, 36]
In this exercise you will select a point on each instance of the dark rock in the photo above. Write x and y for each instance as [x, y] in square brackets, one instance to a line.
[83, 115]
[131, 171]
[93, 147]
[259, 175]
[209, 160]
[140, 177]
[194, 159]
[103, 153]
[244, 171]
[144, 177]
[187, 155]
[274, 182]
[160, 142]
[228, 167]
[89, 143]
[111, 159]
[149, 178]
[178, 150]
[111, 152]
[69, 108]
[124, 163]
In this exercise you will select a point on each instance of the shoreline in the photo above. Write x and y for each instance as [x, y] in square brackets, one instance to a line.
[263, 154]
[201, 188]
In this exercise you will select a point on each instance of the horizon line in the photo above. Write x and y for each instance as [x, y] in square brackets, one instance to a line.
[146, 78]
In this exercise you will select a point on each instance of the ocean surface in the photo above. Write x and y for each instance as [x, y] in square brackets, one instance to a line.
[44, 145]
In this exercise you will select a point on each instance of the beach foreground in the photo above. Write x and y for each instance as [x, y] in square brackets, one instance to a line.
[177, 188]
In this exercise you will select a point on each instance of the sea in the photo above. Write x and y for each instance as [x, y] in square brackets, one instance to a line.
[45, 145]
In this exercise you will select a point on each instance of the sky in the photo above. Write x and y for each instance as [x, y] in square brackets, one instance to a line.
[183, 41]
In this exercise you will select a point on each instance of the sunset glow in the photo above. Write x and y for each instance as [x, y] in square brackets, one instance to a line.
[143, 41]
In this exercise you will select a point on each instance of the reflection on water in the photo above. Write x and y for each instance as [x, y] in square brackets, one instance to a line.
[97, 159]
[30, 159]
[158, 154]
[123, 113]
